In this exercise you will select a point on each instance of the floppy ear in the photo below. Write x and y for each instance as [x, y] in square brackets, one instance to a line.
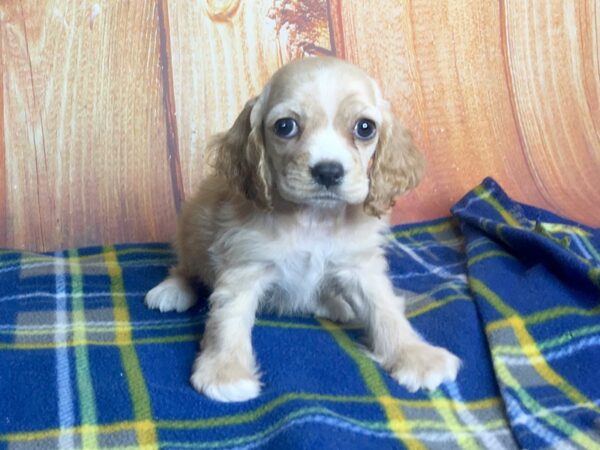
[239, 155]
[396, 167]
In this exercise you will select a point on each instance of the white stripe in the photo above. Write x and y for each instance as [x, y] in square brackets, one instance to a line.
[40, 294]
[520, 417]
[107, 324]
[487, 437]
[431, 269]
[472, 200]
[317, 418]
[477, 242]
[52, 263]
[428, 436]
[66, 417]
[581, 247]
[422, 244]
[592, 341]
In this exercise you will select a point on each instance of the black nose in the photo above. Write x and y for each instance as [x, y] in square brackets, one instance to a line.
[328, 173]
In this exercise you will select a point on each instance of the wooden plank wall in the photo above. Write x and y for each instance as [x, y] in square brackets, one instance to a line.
[105, 106]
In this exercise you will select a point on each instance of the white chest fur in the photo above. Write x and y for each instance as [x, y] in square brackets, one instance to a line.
[306, 257]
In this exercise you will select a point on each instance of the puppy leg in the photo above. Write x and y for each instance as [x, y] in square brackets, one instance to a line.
[173, 294]
[225, 369]
[396, 345]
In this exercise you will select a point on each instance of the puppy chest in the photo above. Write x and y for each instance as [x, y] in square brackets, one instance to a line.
[301, 271]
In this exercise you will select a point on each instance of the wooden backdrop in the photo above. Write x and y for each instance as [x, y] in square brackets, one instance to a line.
[105, 106]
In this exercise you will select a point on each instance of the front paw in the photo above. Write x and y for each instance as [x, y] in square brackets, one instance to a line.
[424, 366]
[173, 294]
[224, 379]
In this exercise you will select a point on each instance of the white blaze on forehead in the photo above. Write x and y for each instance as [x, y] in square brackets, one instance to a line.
[328, 93]
[327, 144]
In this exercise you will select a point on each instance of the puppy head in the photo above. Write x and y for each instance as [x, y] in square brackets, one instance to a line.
[320, 134]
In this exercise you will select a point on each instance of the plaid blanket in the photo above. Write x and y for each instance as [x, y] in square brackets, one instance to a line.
[514, 291]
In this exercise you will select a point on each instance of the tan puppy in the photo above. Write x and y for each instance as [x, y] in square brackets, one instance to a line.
[293, 222]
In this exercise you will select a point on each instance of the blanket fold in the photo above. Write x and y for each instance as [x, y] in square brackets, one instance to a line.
[512, 290]
[534, 279]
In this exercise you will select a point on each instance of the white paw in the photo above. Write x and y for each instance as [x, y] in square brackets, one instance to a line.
[224, 381]
[173, 294]
[237, 391]
[424, 366]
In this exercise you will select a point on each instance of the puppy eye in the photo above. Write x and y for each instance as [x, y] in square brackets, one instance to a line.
[365, 129]
[286, 128]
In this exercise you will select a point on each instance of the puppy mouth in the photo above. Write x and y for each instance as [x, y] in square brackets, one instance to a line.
[326, 197]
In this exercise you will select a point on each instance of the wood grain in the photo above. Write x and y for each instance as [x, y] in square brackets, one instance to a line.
[223, 57]
[84, 124]
[106, 107]
[461, 75]
[552, 58]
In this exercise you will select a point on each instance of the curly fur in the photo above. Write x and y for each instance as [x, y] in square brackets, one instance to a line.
[239, 155]
[266, 233]
[397, 167]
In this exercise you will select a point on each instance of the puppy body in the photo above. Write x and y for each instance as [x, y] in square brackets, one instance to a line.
[293, 222]
[300, 249]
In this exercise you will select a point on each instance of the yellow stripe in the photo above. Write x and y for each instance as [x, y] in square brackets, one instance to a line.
[145, 428]
[396, 419]
[543, 413]
[85, 388]
[463, 439]
[33, 258]
[531, 350]
[544, 316]
[594, 274]
[78, 430]
[529, 345]
[564, 228]
[488, 254]
[485, 195]
[437, 304]
[428, 229]
[254, 415]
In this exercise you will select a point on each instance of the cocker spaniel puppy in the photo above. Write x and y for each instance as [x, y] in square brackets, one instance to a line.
[293, 222]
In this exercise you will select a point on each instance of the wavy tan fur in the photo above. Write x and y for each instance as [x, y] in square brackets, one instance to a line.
[267, 233]
[397, 167]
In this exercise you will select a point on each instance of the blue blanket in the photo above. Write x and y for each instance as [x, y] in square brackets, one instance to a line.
[512, 290]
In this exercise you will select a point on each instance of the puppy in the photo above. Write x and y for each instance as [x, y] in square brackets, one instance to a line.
[293, 221]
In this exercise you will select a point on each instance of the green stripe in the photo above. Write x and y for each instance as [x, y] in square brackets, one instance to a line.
[541, 412]
[366, 367]
[587, 243]
[428, 297]
[453, 243]
[50, 330]
[427, 229]
[34, 258]
[129, 358]
[560, 311]
[437, 304]
[489, 404]
[87, 401]
[594, 274]
[478, 243]
[548, 343]
[481, 289]
[527, 400]
[489, 254]
[452, 424]
[367, 425]
[486, 196]
[119, 326]
[374, 426]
